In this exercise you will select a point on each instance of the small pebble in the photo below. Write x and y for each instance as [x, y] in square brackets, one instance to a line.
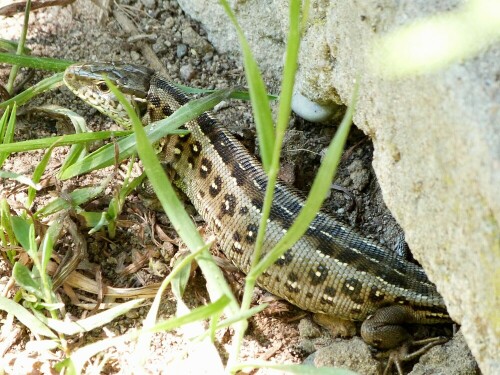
[208, 56]
[181, 50]
[132, 314]
[308, 329]
[139, 37]
[195, 41]
[135, 55]
[221, 105]
[169, 22]
[159, 47]
[187, 72]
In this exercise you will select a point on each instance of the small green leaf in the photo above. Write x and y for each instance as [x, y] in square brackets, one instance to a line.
[24, 279]
[21, 229]
[73, 199]
[48, 242]
[52, 306]
[7, 236]
[180, 281]
[3, 124]
[95, 220]
[69, 365]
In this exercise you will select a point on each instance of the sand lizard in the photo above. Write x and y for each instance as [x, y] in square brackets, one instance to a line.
[331, 270]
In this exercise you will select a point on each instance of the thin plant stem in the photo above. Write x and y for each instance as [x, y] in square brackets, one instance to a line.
[20, 47]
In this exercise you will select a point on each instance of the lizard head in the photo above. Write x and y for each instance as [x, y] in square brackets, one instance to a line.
[87, 82]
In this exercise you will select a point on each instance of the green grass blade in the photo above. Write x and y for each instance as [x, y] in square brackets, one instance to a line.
[179, 282]
[43, 63]
[290, 67]
[20, 47]
[199, 313]
[94, 321]
[79, 124]
[80, 356]
[48, 242]
[258, 94]
[237, 94]
[3, 124]
[64, 140]
[7, 129]
[26, 318]
[179, 267]
[37, 176]
[7, 236]
[293, 43]
[11, 46]
[28, 94]
[273, 169]
[247, 314]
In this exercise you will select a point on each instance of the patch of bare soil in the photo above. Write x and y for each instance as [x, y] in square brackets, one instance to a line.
[283, 333]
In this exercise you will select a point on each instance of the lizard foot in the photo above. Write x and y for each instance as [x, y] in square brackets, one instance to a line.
[396, 357]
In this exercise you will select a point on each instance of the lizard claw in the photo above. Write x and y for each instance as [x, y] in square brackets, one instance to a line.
[402, 354]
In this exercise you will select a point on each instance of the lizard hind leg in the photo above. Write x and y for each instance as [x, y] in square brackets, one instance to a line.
[384, 329]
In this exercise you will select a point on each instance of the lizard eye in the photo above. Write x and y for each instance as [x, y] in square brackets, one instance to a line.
[102, 86]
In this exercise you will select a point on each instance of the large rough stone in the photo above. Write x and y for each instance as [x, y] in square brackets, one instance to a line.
[263, 33]
[436, 138]
[350, 354]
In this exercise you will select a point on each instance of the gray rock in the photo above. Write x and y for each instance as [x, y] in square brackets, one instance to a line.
[308, 329]
[195, 41]
[181, 50]
[436, 138]
[348, 354]
[187, 72]
[259, 19]
[447, 359]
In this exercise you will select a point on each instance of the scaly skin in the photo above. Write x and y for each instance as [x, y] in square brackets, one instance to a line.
[331, 270]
